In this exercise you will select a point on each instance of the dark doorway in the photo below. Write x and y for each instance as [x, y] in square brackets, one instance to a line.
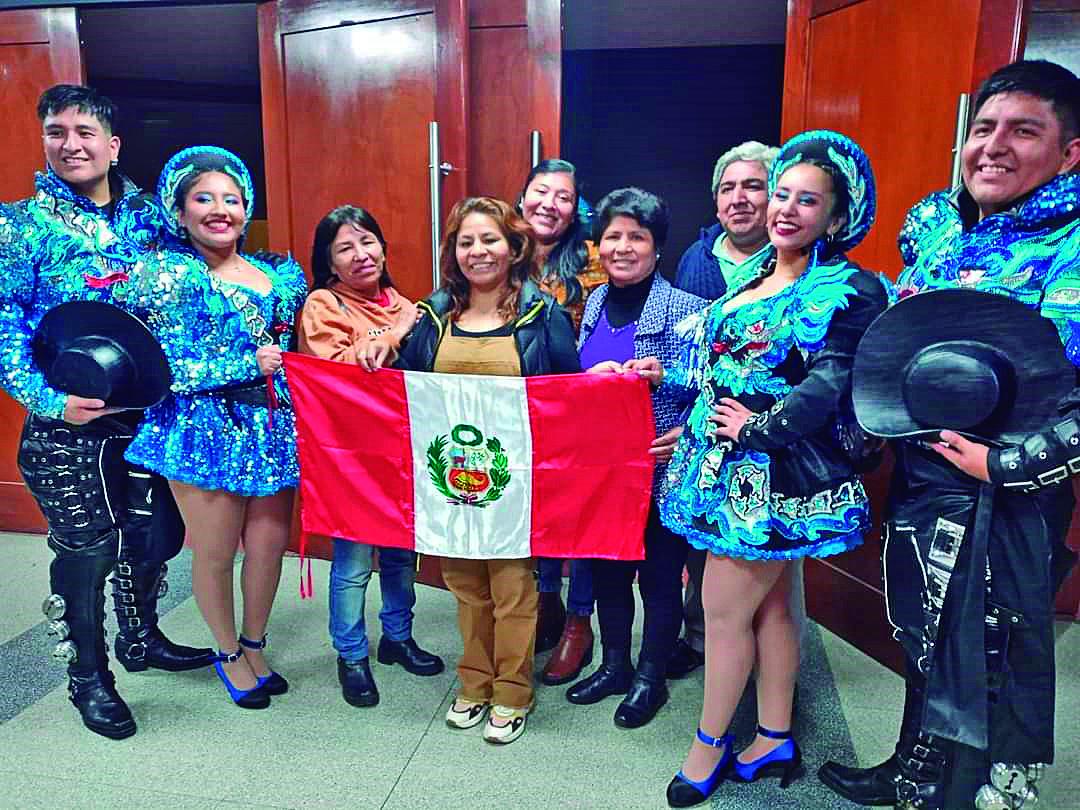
[654, 93]
[181, 75]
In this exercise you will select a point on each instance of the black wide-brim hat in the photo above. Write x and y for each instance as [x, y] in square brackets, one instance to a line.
[96, 350]
[983, 365]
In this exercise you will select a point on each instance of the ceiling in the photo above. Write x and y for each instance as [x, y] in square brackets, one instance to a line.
[217, 44]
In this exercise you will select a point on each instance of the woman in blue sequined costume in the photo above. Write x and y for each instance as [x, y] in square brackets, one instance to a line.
[226, 437]
[763, 474]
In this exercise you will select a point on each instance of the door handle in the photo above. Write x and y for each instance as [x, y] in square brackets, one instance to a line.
[436, 170]
[535, 152]
[963, 107]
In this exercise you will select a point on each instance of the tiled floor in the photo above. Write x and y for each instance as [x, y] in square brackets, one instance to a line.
[311, 750]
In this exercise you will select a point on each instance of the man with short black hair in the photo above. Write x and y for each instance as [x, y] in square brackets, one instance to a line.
[979, 706]
[79, 238]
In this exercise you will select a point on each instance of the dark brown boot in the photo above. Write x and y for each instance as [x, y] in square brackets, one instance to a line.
[574, 652]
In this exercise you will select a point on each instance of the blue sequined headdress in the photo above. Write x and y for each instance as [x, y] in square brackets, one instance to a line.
[194, 160]
[852, 168]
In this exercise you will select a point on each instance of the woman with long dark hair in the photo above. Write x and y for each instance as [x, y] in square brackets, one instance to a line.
[353, 303]
[570, 270]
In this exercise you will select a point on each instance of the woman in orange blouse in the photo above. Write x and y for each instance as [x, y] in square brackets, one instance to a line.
[352, 303]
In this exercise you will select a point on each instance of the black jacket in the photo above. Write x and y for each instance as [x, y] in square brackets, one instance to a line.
[543, 333]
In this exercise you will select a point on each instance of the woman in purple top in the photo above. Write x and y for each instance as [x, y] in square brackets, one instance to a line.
[631, 317]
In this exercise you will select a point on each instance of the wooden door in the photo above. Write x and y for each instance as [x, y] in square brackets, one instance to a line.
[38, 48]
[889, 74]
[349, 89]
[515, 78]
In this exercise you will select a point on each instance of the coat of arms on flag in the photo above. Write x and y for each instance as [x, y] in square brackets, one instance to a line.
[472, 466]
[474, 473]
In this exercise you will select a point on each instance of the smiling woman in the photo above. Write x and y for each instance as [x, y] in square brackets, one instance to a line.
[489, 317]
[225, 438]
[354, 304]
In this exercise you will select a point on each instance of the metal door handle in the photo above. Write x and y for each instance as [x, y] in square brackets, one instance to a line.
[436, 169]
[963, 106]
[534, 147]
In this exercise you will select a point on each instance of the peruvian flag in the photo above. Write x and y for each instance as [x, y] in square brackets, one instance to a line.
[474, 467]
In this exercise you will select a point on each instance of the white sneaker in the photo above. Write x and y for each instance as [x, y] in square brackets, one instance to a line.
[466, 713]
[509, 726]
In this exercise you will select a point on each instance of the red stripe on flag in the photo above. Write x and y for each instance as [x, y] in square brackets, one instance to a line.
[592, 472]
[352, 427]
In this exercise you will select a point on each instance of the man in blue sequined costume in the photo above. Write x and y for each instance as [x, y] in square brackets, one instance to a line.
[974, 542]
[78, 238]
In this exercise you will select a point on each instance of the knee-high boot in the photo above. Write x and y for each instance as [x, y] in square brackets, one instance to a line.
[876, 786]
[77, 610]
[140, 644]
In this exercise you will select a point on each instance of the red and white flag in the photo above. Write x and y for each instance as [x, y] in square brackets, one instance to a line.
[474, 467]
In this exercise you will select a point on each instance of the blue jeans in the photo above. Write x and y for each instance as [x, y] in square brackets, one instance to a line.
[579, 596]
[349, 575]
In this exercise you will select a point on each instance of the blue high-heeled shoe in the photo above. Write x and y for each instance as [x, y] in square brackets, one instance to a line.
[272, 684]
[685, 792]
[255, 698]
[784, 761]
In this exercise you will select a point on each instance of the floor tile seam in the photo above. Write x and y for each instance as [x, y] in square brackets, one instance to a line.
[166, 794]
[451, 689]
[49, 680]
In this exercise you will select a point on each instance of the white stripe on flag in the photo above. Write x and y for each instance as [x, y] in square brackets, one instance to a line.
[468, 432]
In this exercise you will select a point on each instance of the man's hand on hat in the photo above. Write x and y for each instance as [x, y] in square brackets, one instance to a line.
[964, 454]
[730, 416]
[80, 410]
[268, 359]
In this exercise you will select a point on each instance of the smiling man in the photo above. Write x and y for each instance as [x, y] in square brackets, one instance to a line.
[1012, 229]
[78, 238]
[739, 190]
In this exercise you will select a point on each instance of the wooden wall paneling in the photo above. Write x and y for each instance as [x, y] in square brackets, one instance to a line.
[883, 102]
[545, 72]
[452, 97]
[495, 13]
[501, 111]
[65, 50]
[309, 15]
[275, 132]
[796, 68]
[1000, 39]
[38, 48]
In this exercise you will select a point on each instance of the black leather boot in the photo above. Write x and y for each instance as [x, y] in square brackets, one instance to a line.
[357, 685]
[140, 644]
[647, 693]
[876, 786]
[920, 780]
[77, 610]
[611, 678]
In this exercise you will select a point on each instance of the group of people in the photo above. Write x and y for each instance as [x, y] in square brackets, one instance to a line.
[749, 355]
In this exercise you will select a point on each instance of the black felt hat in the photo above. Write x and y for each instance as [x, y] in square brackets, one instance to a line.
[980, 364]
[96, 350]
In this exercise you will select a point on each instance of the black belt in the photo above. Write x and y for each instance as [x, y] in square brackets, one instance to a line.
[245, 393]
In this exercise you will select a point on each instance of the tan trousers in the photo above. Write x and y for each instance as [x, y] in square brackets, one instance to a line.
[497, 617]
